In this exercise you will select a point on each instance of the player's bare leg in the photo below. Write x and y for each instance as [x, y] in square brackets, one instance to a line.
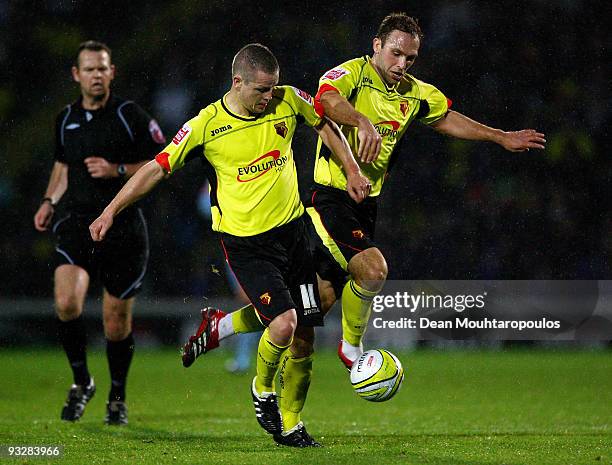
[368, 271]
[117, 316]
[70, 287]
[327, 294]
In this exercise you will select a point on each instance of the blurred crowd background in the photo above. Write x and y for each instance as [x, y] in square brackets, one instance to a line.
[450, 210]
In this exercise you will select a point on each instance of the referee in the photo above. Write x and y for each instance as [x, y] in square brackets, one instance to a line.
[101, 140]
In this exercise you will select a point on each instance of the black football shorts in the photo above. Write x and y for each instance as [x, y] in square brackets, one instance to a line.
[341, 228]
[276, 271]
[120, 260]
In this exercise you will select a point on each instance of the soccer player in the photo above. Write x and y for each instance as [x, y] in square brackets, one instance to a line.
[244, 141]
[367, 95]
[101, 140]
[375, 101]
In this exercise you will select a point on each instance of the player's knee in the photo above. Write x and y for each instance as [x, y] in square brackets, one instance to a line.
[283, 327]
[328, 299]
[117, 329]
[327, 295]
[67, 307]
[372, 268]
[377, 272]
[302, 348]
[117, 325]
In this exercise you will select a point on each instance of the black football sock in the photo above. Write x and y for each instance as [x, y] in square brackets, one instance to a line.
[73, 337]
[119, 354]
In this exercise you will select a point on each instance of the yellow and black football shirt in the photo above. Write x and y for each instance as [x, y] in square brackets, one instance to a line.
[249, 161]
[390, 109]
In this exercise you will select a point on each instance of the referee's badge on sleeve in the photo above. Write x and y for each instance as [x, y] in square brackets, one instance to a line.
[156, 133]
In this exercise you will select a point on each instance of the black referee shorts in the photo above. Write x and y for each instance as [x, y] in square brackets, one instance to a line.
[341, 228]
[276, 271]
[120, 259]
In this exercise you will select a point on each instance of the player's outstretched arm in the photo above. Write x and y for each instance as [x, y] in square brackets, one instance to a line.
[338, 109]
[457, 125]
[358, 186]
[58, 183]
[145, 179]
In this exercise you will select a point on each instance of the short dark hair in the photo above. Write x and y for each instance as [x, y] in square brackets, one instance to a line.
[398, 22]
[252, 58]
[94, 46]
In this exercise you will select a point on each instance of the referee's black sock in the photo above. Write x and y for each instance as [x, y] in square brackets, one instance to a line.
[73, 337]
[119, 354]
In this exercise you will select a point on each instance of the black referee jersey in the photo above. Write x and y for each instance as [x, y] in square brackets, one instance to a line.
[121, 132]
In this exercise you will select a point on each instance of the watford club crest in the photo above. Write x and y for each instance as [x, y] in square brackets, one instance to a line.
[281, 129]
[265, 298]
[358, 234]
[404, 107]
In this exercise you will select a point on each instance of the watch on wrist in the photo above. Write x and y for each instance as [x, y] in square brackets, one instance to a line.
[47, 199]
[121, 169]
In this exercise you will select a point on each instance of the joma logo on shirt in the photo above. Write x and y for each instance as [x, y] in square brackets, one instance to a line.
[214, 132]
[387, 129]
[261, 166]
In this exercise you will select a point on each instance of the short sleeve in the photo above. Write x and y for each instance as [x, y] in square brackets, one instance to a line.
[147, 135]
[188, 143]
[434, 104]
[303, 103]
[343, 78]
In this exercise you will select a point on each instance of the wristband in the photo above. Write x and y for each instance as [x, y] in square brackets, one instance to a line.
[47, 199]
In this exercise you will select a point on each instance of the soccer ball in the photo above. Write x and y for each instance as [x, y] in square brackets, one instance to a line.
[377, 375]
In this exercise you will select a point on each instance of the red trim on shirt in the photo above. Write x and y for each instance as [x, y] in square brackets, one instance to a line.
[162, 159]
[317, 100]
[449, 103]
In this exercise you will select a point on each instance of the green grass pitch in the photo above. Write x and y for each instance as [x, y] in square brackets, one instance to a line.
[455, 407]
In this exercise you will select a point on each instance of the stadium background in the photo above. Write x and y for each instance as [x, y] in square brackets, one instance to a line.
[450, 210]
